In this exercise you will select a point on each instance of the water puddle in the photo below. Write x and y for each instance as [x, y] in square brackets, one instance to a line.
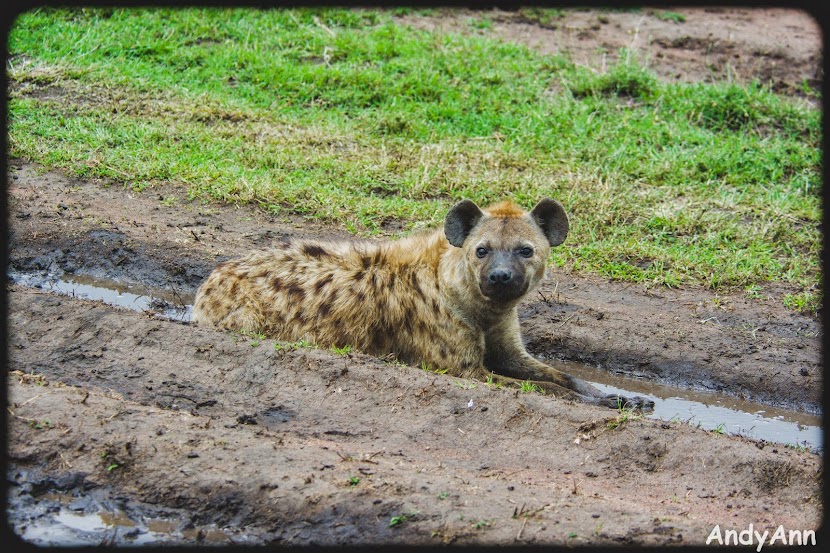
[53, 522]
[719, 413]
[177, 306]
[710, 411]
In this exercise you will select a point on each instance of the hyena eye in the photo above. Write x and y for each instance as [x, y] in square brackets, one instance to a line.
[527, 251]
[481, 252]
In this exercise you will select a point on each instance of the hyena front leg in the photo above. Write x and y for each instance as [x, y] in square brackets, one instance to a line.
[569, 387]
[551, 388]
[508, 358]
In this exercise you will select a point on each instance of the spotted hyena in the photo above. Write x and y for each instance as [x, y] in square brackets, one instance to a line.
[445, 299]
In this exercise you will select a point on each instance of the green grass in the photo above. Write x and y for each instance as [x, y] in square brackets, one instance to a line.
[804, 302]
[301, 344]
[670, 16]
[344, 350]
[482, 23]
[399, 520]
[624, 415]
[345, 117]
[491, 382]
[429, 368]
[256, 337]
[528, 387]
[542, 16]
[478, 525]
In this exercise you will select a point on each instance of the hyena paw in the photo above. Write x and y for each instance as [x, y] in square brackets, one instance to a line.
[616, 401]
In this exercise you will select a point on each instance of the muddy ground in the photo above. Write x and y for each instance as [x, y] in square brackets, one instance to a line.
[228, 438]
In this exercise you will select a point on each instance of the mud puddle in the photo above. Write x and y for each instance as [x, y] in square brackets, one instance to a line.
[172, 305]
[719, 413]
[74, 519]
[714, 412]
[70, 528]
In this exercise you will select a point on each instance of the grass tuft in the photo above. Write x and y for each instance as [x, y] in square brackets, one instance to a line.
[627, 78]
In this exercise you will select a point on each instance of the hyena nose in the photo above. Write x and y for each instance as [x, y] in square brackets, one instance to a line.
[500, 276]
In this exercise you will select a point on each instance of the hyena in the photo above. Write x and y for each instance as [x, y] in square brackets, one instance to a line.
[445, 299]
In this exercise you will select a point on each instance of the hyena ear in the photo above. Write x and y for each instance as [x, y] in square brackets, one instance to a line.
[461, 219]
[552, 219]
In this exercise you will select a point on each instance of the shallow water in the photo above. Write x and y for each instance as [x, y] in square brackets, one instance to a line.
[177, 306]
[52, 521]
[716, 412]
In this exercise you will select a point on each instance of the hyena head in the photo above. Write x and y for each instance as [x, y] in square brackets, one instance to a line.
[506, 248]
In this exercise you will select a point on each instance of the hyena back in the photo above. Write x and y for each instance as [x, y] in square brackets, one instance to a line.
[445, 299]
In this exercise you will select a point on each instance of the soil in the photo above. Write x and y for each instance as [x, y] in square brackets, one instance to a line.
[233, 440]
[777, 47]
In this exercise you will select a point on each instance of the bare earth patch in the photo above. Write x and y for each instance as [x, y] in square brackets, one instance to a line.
[230, 438]
[712, 44]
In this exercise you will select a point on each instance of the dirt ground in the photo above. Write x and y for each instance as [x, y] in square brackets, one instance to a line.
[781, 47]
[229, 439]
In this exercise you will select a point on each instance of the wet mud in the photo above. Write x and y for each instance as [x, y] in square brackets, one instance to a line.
[706, 410]
[752, 349]
[135, 417]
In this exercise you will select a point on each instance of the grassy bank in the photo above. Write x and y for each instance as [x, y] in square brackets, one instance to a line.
[350, 118]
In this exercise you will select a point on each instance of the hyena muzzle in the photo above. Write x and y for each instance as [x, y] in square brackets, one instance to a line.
[446, 299]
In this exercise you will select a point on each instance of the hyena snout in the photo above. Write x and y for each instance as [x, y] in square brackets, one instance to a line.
[500, 276]
[503, 282]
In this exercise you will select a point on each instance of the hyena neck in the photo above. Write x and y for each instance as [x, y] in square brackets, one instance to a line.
[420, 251]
